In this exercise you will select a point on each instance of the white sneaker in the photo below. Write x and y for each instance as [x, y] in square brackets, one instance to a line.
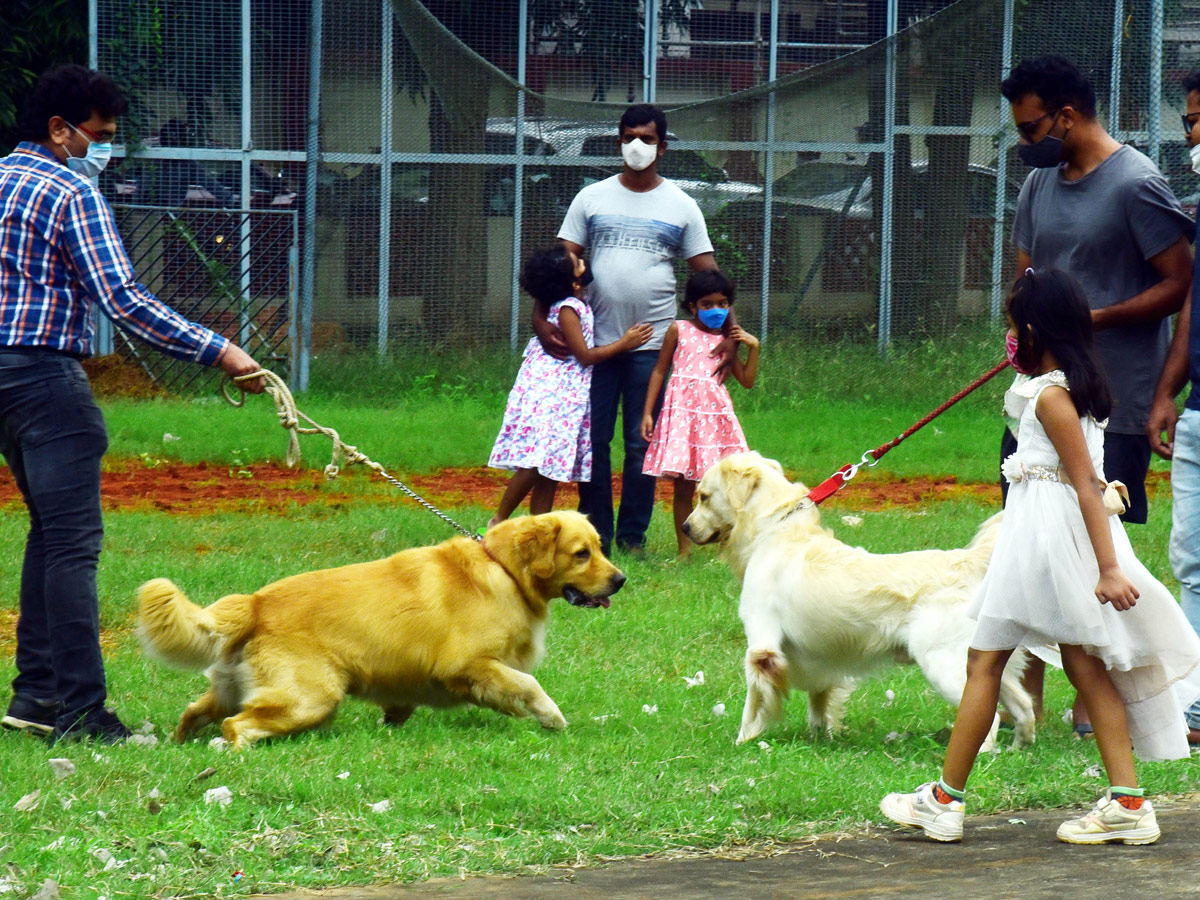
[920, 810]
[1110, 821]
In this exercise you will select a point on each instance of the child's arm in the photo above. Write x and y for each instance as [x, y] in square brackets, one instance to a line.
[549, 335]
[657, 377]
[572, 329]
[1061, 420]
[745, 372]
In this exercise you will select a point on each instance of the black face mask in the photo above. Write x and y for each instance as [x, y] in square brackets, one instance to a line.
[1045, 154]
[587, 277]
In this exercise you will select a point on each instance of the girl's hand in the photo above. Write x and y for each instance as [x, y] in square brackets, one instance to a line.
[637, 335]
[647, 427]
[743, 337]
[1116, 589]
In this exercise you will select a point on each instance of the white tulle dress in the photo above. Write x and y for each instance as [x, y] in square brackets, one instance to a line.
[1039, 589]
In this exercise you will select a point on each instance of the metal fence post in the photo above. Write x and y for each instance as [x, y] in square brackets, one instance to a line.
[1004, 141]
[104, 327]
[1114, 79]
[650, 53]
[769, 170]
[312, 150]
[1154, 120]
[889, 164]
[385, 177]
[518, 176]
[247, 141]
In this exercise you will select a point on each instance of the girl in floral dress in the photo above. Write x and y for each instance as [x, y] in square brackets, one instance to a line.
[547, 423]
[696, 427]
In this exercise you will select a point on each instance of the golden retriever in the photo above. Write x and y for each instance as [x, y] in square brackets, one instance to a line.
[461, 622]
[819, 614]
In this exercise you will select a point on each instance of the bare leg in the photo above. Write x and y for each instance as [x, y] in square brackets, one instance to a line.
[684, 492]
[976, 713]
[542, 498]
[1090, 678]
[519, 485]
[1034, 681]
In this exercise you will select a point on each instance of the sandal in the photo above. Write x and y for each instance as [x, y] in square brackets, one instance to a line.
[1082, 730]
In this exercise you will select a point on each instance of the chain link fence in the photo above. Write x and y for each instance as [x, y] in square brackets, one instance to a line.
[853, 158]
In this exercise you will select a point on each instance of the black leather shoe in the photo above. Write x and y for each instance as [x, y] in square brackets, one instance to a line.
[30, 715]
[100, 725]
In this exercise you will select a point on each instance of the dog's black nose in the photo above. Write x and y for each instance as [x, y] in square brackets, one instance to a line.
[617, 582]
[686, 529]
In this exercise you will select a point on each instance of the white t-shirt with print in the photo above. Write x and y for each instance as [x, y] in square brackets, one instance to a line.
[632, 239]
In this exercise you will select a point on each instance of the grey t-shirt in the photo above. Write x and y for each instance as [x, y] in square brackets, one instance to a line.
[1103, 229]
[632, 239]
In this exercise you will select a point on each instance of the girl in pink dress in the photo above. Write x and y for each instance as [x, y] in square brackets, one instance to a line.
[546, 435]
[696, 427]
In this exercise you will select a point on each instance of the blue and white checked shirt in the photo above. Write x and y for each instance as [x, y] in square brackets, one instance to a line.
[60, 254]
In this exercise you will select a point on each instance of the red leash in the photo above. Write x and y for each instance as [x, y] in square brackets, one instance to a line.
[830, 485]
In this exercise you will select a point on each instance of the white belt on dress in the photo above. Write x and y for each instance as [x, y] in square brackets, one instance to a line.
[1115, 494]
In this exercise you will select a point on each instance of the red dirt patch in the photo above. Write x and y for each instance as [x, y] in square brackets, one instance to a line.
[198, 489]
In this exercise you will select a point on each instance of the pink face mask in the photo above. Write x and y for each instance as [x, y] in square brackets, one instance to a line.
[1010, 347]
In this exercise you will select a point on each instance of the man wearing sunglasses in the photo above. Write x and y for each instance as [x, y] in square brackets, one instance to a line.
[1177, 437]
[1103, 212]
[61, 260]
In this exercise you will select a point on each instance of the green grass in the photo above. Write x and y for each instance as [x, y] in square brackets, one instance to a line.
[471, 790]
[815, 407]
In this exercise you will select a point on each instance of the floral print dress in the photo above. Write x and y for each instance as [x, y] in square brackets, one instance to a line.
[547, 422]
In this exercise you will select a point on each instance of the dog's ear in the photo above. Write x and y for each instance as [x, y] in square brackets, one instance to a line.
[539, 545]
[774, 464]
[740, 483]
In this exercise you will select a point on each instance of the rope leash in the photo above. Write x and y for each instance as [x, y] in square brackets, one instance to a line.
[343, 453]
[838, 479]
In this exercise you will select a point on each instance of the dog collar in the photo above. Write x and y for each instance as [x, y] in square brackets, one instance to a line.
[492, 557]
[804, 503]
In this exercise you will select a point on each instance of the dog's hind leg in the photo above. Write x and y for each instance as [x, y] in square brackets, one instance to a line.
[206, 709]
[1017, 701]
[296, 697]
[492, 684]
[827, 706]
[766, 688]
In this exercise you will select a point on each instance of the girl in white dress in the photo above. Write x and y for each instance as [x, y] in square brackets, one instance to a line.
[1064, 583]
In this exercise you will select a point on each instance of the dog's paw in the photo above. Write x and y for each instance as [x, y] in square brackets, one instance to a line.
[554, 721]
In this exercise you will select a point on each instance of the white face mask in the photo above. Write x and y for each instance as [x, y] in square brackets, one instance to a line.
[639, 155]
[91, 165]
[1194, 152]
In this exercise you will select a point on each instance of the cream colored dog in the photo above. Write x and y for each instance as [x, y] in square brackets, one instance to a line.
[819, 615]
[462, 622]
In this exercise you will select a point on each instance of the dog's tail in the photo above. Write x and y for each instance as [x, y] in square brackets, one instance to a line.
[181, 634]
[984, 542]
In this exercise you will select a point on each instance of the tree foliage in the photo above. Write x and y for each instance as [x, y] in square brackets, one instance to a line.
[35, 35]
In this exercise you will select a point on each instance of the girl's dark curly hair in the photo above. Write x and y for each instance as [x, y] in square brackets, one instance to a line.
[1048, 312]
[549, 275]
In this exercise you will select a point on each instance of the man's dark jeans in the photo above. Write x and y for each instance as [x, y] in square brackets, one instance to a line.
[52, 435]
[620, 383]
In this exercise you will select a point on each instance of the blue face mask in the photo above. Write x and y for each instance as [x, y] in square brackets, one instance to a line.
[712, 318]
[91, 165]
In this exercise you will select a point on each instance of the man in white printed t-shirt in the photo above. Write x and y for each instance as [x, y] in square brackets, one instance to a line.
[633, 225]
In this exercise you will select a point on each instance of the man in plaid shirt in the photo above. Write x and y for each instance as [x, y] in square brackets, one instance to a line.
[60, 259]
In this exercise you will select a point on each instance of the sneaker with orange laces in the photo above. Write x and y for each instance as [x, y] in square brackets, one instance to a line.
[920, 809]
[1109, 821]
